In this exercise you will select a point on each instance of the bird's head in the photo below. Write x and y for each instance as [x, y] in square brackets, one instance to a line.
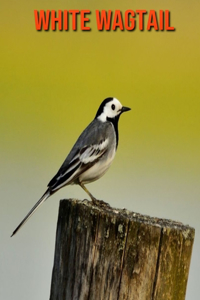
[110, 109]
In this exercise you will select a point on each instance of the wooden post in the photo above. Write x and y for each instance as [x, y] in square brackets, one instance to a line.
[103, 253]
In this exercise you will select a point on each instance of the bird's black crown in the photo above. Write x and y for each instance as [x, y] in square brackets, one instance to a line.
[101, 107]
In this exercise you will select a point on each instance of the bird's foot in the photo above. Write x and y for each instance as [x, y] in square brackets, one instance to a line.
[99, 203]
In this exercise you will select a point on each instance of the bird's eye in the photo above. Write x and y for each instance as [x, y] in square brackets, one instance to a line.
[113, 106]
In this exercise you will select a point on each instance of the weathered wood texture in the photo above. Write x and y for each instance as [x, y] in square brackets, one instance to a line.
[103, 253]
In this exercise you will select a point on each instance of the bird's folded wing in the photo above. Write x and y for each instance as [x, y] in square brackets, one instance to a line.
[83, 159]
[91, 153]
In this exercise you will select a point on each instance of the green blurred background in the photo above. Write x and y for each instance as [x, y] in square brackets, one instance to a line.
[52, 83]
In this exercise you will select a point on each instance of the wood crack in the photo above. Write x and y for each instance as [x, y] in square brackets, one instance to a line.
[122, 262]
[157, 266]
[94, 251]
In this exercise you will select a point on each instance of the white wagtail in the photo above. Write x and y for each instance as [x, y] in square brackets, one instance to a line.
[91, 155]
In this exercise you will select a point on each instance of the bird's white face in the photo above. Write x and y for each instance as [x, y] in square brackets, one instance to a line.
[110, 110]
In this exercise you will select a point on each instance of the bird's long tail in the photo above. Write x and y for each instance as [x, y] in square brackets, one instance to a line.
[40, 201]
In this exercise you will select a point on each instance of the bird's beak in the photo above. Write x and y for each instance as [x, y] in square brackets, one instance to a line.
[124, 108]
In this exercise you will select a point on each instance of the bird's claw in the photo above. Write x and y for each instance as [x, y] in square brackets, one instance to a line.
[99, 203]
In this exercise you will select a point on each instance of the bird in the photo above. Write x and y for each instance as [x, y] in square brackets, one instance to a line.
[91, 155]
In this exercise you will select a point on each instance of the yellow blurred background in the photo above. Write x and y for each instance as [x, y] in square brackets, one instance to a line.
[51, 85]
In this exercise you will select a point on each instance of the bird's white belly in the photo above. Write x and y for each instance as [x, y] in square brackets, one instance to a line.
[98, 170]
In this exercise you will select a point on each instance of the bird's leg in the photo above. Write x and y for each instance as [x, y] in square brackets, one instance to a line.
[94, 200]
[86, 190]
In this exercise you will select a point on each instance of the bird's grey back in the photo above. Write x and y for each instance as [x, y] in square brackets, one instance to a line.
[93, 134]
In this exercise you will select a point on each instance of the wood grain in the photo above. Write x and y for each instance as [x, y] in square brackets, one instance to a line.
[104, 253]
